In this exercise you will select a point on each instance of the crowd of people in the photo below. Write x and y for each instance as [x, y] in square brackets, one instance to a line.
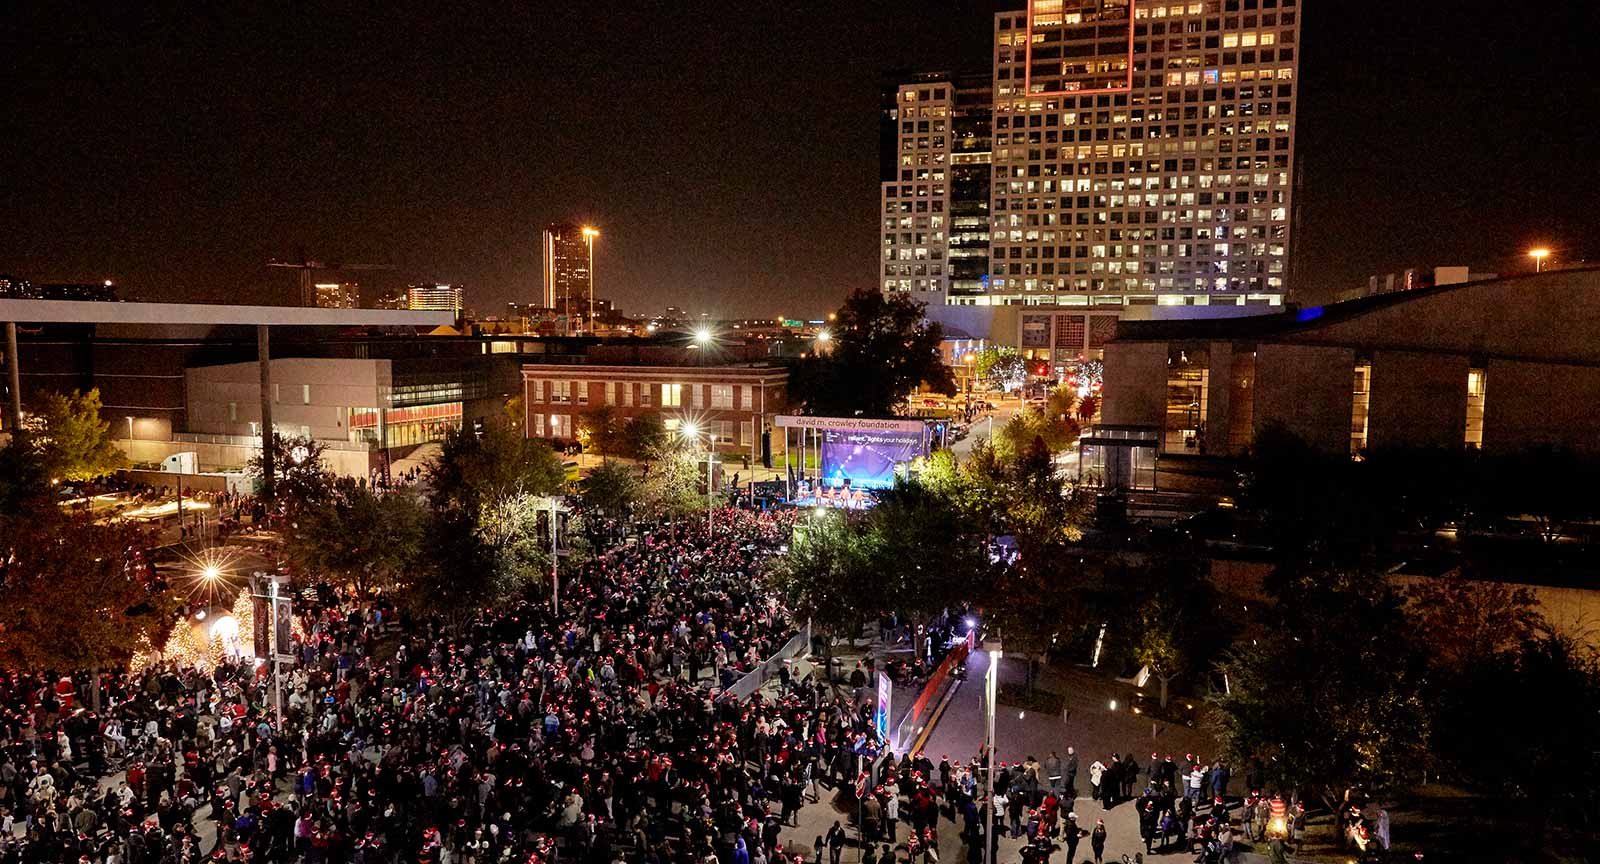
[597, 735]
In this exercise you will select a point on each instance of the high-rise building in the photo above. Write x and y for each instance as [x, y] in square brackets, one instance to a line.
[935, 189]
[338, 295]
[394, 298]
[566, 265]
[429, 296]
[1142, 154]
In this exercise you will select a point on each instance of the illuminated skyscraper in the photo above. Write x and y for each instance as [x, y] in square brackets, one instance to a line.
[566, 266]
[429, 296]
[1143, 154]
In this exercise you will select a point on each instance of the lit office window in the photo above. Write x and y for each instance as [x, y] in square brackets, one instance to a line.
[1360, 402]
[1476, 383]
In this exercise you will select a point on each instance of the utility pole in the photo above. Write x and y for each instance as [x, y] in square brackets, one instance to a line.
[264, 360]
[711, 455]
[277, 666]
[15, 374]
[555, 562]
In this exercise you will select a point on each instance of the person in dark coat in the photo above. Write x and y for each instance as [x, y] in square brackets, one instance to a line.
[1072, 834]
[1097, 841]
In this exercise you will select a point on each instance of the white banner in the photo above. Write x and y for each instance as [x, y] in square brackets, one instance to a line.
[855, 424]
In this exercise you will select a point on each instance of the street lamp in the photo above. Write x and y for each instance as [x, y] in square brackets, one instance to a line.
[991, 694]
[703, 339]
[691, 431]
[1538, 255]
[588, 235]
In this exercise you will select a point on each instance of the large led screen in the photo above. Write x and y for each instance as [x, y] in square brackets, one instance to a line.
[867, 458]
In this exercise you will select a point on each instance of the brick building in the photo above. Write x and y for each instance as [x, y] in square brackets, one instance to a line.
[734, 402]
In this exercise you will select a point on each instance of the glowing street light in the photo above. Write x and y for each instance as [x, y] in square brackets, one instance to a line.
[1538, 255]
[824, 336]
[691, 430]
[211, 573]
[703, 336]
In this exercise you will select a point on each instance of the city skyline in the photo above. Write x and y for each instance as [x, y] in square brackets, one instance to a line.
[748, 188]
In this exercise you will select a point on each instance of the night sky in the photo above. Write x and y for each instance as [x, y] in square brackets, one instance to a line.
[728, 152]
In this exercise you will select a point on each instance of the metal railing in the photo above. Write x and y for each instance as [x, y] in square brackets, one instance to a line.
[751, 681]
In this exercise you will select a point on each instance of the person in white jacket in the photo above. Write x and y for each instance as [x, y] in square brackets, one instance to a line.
[1096, 771]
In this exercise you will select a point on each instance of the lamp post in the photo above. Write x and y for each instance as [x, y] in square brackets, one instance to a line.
[1538, 255]
[691, 432]
[555, 561]
[991, 693]
[588, 235]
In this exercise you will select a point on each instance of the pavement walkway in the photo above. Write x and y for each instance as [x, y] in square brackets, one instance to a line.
[1087, 723]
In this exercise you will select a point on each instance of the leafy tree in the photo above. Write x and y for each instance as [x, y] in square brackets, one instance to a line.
[473, 470]
[515, 413]
[1177, 627]
[24, 479]
[91, 597]
[642, 434]
[1033, 602]
[1520, 723]
[359, 538]
[509, 527]
[1461, 623]
[611, 489]
[828, 575]
[925, 551]
[1088, 406]
[77, 444]
[600, 431]
[1033, 425]
[462, 575]
[883, 349]
[1062, 407]
[1331, 696]
[672, 483]
[302, 479]
[1002, 367]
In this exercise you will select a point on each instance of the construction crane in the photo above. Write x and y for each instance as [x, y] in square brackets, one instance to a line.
[308, 296]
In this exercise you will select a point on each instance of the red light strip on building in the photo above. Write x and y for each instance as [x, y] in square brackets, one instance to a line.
[1027, 62]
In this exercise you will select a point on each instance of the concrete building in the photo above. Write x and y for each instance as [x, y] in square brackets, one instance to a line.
[1143, 153]
[734, 401]
[1499, 364]
[1133, 157]
[338, 295]
[66, 351]
[435, 297]
[935, 187]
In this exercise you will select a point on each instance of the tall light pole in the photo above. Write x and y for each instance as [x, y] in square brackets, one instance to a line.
[991, 692]
[588, 235]
[1538, 255]
[555, 560]
[692, 432]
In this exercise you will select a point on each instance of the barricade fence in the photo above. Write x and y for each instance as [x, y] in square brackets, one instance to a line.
[913, 721]
[747, 685]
